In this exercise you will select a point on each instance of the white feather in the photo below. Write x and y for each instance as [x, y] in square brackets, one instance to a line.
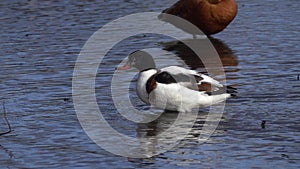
[176, 96]
[141, 84]
[179, 98]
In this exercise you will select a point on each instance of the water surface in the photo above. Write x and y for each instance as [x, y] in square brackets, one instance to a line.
[40, 42]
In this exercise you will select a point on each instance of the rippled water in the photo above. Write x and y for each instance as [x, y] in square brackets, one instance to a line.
[40, 42]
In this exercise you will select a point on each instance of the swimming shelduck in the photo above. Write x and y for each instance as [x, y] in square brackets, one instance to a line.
[175, 88]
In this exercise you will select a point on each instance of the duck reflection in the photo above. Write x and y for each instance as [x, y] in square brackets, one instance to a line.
[163, 122]
[156, 136]
[227, 56]
[164, 133]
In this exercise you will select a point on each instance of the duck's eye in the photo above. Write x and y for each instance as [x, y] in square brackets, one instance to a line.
[133, 60]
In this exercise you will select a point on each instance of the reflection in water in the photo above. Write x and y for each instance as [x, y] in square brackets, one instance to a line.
[227, 56]
[163, 133]
[153, 130]
[157, 126]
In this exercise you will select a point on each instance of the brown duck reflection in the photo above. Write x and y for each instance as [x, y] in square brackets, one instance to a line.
[227, 56]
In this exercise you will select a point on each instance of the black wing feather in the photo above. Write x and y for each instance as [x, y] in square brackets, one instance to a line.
[167, 78]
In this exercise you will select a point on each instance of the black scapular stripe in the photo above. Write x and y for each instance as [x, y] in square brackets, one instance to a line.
[167, 78]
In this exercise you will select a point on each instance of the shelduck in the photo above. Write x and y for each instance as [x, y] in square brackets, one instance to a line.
[175, 88]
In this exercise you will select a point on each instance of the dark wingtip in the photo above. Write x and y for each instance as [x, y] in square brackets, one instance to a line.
[226, 89]
[233, 95]
[232, 91]
[230, 87]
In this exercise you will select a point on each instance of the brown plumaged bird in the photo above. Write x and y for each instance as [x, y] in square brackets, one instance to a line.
[210, 16]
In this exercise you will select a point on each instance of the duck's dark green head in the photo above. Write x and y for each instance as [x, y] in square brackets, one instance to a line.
[140, 60]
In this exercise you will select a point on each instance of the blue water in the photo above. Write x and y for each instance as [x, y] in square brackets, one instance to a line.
[40, 42]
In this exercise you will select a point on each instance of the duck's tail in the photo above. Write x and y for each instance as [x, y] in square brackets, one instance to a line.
[225, 89]
[219, 96]
[232, 91]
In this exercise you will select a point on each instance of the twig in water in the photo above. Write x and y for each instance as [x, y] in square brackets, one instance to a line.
[298, 78]
[7, 122]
